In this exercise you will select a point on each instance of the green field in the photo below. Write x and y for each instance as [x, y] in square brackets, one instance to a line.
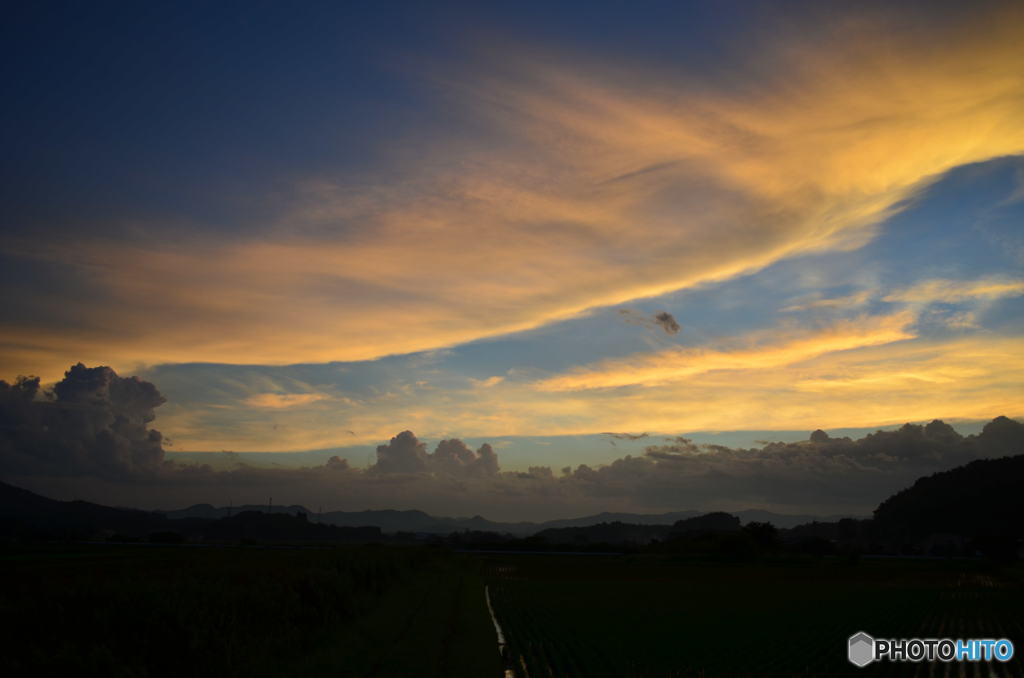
[415, 611]
[654, 616]
[160, 611]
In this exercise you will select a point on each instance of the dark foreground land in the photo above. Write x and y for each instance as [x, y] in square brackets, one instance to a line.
[145, 610]
[657, 616]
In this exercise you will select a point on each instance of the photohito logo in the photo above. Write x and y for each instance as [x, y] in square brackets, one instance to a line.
[862, 649]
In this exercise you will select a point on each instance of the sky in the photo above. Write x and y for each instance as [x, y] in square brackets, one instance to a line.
[312, 226]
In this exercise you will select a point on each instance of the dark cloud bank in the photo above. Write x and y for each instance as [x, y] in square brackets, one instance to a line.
[89, 437]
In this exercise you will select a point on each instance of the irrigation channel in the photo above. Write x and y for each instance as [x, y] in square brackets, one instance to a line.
[502, 646]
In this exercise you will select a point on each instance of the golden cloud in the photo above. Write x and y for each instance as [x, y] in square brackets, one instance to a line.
[848, 301]
[277, 401]
[970, 377]
[964, 378]
[676, 364]
[952, 291]
[595, 185]
[847, 375]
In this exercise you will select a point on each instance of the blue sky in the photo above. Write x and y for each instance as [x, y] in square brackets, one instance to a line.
[981, 224]
[313, 226]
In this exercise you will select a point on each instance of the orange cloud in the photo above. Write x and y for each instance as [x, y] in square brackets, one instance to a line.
[277, 401]
[969, 377]
[676, 364]
[966, 378]
[850, 300]
[951, 291]
[594, 185]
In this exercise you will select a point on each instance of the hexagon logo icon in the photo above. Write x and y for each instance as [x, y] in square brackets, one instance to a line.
[861, 649]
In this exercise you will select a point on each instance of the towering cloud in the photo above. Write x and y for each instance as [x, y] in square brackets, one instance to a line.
[93, 422]
[406, 454]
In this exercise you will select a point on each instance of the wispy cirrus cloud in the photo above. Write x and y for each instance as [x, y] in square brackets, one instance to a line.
[848, 301]
[677, 364]
[586, 184]
[277, 401]
[942, 290]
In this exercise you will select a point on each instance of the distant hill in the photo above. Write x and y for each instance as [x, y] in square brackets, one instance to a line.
[710, 522]
[24, 512]
[613, 533]
[391, 521]
[271, 527]
[617, 533]
[982, 498]
[420, 522]
[21, 510]
[211, 512]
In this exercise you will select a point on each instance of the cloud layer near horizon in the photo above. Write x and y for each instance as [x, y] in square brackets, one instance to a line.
[585, 184]
[90, 439]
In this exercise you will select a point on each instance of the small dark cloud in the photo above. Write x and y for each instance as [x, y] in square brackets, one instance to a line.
[667, 322]
[626, 436]
[612, 437]
[663, 320]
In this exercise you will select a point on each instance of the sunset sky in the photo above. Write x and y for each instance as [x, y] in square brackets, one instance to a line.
[314, 225]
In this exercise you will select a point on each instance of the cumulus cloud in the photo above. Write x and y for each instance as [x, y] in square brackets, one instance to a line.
[406, 454]
[807, 471]
[89, 437]
[336, 463]
[91, 422]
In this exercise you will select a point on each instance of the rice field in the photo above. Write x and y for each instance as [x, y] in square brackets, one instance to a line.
[374, 612]
[644, 616]
[359, 612]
